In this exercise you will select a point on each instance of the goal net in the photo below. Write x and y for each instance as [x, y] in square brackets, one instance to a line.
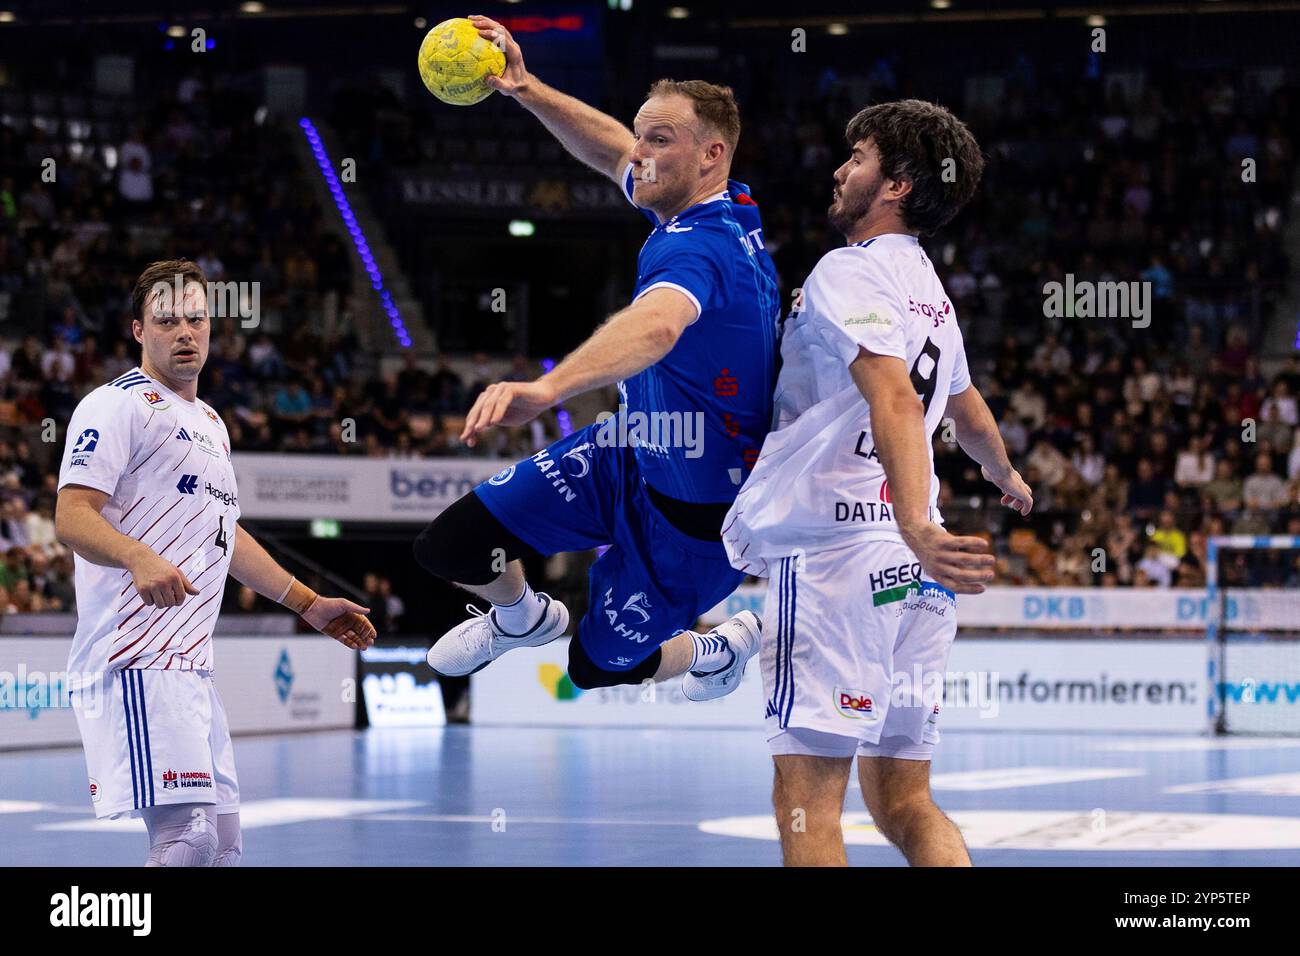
[1253, 634]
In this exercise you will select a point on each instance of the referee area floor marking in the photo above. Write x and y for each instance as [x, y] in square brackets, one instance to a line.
[1008, 777]
[1171, 744]
[1086, 830]
[257, 813]
[1269, 785]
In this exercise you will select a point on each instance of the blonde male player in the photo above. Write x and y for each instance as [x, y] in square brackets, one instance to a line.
[147, 501]
[840, 511]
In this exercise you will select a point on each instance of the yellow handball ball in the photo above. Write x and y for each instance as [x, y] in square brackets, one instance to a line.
[455, 62]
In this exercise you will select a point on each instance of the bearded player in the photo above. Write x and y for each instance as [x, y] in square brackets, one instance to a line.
[696, 345]
[840, 513]
[148, 504]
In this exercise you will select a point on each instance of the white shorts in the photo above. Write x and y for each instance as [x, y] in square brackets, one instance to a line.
[855, 648]
[155, 737]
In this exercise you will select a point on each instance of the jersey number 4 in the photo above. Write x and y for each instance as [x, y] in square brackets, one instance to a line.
[220, 539]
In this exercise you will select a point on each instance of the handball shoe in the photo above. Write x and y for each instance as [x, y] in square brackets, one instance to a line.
[742, 634]
[471, 645]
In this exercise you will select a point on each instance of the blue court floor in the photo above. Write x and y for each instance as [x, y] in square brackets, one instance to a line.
[464, 796]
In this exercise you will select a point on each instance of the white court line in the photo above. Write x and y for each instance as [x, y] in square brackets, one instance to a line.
[1009, 777]
[256, 813]
[1271, 785]
[570, 821]
[1145, 744]
[23, 806]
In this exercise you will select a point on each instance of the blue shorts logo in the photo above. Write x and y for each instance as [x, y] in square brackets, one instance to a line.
[502, 476]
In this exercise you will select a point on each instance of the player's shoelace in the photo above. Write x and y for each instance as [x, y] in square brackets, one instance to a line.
[492, 631]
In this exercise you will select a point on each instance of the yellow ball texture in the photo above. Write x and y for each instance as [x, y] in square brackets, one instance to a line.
[455, 62]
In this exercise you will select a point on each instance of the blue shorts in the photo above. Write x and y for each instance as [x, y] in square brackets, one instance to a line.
[652, 583]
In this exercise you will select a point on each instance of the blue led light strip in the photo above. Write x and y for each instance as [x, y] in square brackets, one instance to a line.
[561, 416]
[354, 230]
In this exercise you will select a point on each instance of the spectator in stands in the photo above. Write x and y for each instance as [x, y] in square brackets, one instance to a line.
[1087, 461]
[1169, 539]
[40, 528]
[1147, 491]
[1224, 493]
[58, 363]
[1195, 465]
[135, 181]
[292, 405]
[1153, 568]
[394, 606]
[1264, 490]
[14, 568]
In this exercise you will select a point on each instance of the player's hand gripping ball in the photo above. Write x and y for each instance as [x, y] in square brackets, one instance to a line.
[455, 62]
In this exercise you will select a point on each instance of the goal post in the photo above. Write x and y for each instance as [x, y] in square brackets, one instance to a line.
[1252, 632]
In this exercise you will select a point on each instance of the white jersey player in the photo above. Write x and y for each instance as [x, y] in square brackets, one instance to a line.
[148, 503]
[840, 513]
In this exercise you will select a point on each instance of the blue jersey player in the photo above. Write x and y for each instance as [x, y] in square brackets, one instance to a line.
[694, 357]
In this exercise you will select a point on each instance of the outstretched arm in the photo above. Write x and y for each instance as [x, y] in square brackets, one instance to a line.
[595, 138]
[631, 340]
[339, 618]
[978, 436]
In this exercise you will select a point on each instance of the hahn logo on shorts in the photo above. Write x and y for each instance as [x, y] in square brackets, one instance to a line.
[577, 460]
[638, 604]
[554, 474]
[855, 704]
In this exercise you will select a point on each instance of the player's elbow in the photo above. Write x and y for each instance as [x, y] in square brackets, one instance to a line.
[64, 522]
[665, 334]
[900, 404]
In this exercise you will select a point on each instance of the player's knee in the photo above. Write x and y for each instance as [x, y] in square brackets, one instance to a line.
[189, 845]
[895, 817]
[430, 550]
[454, 547]
[230, 840]
[585, 675]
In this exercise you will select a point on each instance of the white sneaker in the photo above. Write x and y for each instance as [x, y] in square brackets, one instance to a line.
[471, 645]
[741, 634]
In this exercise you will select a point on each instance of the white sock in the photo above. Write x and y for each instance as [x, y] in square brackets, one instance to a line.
[520, 616]
[711, 653]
